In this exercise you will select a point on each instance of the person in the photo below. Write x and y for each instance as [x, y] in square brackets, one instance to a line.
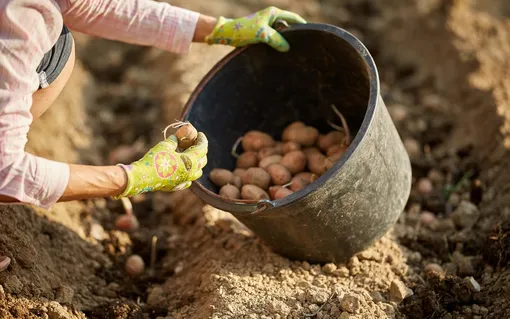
[37, 60]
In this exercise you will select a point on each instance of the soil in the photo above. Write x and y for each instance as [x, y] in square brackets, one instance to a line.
[444, 77]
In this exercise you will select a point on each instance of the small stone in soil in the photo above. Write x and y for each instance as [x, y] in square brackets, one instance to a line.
[476, 309]
[318, 296]
[341, 272]
[350, 303]
[435, 176]
[398, 112]
[466, 215]
[329, 268]
[465, 267]
[433, 268]
[451, 269]
[399, 291]
[354, 262]
[472, 284]
[377, 296]
[425, 186]
[427, 218]
[97, 232]
[413, 148]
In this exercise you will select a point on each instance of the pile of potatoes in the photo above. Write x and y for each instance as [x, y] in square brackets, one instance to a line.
[269, 169]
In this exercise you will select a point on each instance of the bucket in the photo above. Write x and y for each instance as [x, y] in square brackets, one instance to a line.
[258, 88]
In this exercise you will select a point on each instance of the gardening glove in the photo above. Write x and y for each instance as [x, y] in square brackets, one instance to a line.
[165, 169]
[255, 28]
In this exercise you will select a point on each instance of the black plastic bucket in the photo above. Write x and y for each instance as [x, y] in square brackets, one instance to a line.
[256, 87]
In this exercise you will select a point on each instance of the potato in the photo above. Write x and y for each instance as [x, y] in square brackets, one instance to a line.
[257, 176]
[331, 160]
[253, 192]
[294, 161]
[220, 177]
[239, 172]
[293, 125]
[282, 193]
[291, 146]
[279, 147]
[302, 180]
[279, 174]
[310, 150]
[306, 136]
[273, 190]
[334, 149]
[269, 151]
[273, 159]
[316, 162]
[230, 191]
[256, 140]
[238, 181]
[330, 139]
[247, 160]
[336, 156]
[186, 136]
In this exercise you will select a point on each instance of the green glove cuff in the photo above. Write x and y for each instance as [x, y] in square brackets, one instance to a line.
[128, 192]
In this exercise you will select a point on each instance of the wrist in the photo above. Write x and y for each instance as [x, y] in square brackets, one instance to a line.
[123, 180]
[205, 26]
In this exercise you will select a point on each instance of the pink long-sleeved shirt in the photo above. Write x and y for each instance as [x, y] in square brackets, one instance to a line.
[29, 29]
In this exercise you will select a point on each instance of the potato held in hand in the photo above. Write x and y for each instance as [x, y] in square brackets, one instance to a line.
[186, 136]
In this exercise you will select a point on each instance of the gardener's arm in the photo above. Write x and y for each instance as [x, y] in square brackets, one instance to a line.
[84, 182]
[158, 24]
[140, 22]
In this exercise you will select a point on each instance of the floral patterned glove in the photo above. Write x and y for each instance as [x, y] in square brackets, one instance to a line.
[165, 169]
[255, 28]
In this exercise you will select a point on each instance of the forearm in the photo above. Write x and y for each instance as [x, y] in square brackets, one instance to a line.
[140, 22]
[94, 181]
[89, 182]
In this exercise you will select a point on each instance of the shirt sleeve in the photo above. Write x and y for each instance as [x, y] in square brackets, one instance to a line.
[140, 22]
[28, 29]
